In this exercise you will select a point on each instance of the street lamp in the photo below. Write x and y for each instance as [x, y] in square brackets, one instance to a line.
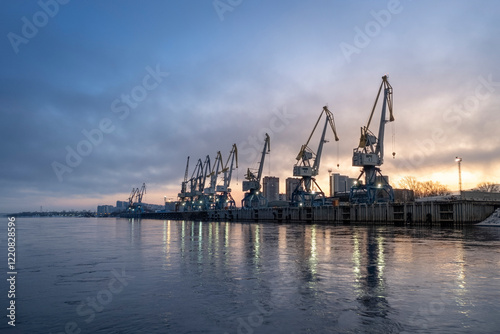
[459, 160]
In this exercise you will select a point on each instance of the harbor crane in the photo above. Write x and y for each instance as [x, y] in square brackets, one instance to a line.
[131, 198]
[223, 197]
[197, 184]
[138, 194]
[210, 191]
[254, 198]
[370, 155]
[304, 195]
[183, 194]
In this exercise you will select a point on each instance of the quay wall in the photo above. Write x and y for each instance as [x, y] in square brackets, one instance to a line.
[432, 212]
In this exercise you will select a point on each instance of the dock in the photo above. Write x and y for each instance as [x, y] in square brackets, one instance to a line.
[458, 212]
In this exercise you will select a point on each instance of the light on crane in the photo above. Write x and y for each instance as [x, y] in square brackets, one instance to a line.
[370, 154]
[303, 193]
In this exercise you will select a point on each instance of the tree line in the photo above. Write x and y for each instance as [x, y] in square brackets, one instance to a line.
[432, 188]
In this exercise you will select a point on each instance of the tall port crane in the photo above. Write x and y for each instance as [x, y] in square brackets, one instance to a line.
[183, 194]
[197, 185]
[210, 191]
[304, 195]
[223, 197]
[131, 199]
[254, 198]
[190, 195]
[370, 154]
[139, 194]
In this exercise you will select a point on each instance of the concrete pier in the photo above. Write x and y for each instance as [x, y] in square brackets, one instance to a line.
[461, 212]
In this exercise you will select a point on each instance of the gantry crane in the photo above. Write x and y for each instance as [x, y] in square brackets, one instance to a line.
[224, 200]
[131, 199]
[197, 185]
[304, 195]
[202, 201]
[210, 191]
[139, 194]
[370, 154]
[183, 194]
[254, 198]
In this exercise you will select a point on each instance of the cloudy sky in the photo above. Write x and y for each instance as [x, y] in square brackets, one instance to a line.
[98, 97]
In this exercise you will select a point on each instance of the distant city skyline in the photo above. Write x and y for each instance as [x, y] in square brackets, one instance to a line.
[100, 97]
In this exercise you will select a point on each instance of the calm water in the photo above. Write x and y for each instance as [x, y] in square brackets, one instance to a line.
[121, 276]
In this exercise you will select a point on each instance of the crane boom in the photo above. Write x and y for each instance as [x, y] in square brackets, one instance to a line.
[131, 197]
[205, 171]
[184, 183]
[228, 170]
[214, 174]
[267, 144]
[140, 193]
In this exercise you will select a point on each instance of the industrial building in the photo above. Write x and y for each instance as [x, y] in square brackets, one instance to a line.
[291, 184]
[105, 210]
[271, 188]
[340, 183]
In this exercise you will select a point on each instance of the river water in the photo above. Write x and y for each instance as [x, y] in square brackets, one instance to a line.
[93, 275]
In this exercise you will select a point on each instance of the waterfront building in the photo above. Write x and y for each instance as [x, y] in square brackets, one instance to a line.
[270, 188]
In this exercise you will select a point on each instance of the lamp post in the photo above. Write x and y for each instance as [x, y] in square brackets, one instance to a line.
[459, 160]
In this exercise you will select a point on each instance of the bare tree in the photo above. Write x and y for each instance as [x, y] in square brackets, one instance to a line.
[430, 188]
[423, 189]
[411, 183]
[489, 187]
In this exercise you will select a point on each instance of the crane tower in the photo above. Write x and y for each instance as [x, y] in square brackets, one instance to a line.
[370, 155]
[223, 198]
[253, 198]
[304, 194]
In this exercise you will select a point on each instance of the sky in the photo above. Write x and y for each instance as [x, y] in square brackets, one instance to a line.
[98, 97]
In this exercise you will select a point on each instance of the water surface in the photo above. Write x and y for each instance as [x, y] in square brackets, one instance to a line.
[151, 276]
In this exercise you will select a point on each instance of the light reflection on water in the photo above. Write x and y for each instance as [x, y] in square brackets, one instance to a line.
[217, 277]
